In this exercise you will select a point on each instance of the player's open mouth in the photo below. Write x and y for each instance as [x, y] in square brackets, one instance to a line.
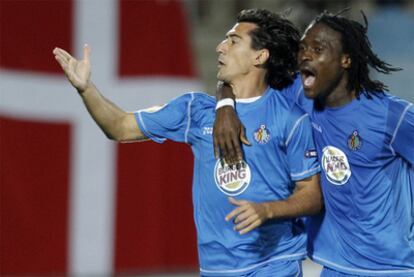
[308, 77]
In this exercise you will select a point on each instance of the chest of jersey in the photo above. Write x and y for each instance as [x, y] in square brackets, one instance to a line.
[354, 162]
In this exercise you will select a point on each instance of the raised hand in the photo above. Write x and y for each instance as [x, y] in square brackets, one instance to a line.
[247, 215]
[78, 72]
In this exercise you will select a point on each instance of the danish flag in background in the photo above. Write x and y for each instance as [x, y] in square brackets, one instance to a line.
[72, 201]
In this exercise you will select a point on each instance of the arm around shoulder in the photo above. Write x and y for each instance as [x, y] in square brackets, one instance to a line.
[228, 131]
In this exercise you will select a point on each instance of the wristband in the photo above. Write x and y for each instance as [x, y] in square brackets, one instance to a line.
[225, 102]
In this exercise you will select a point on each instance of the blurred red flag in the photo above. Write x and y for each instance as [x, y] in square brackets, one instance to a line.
[41, 233]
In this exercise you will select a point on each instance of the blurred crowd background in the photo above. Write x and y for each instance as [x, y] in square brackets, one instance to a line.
[391, 30]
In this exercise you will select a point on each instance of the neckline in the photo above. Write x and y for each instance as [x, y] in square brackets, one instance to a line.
[248, 100]
[352, 105]
[253, 100]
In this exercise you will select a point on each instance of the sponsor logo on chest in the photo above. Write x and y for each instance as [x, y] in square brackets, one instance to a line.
[335, 165]
[232, 181]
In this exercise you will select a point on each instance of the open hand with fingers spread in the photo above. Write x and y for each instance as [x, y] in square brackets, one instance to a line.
[247, 215]
[78, 72]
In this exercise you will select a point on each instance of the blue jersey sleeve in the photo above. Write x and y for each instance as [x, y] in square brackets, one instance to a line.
[293, 92]
[296, 96]
[300, 146]
[172, 121]
[403, 137]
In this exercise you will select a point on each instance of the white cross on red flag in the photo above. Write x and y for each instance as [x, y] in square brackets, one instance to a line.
[73, 202]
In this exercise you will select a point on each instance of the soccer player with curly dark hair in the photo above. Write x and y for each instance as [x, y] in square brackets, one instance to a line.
[281, 38]
[364, 138]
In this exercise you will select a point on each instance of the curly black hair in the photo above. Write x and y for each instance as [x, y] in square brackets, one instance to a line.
[356, 43]
[280, 37]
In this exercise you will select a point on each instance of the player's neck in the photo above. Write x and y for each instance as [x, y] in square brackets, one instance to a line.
[248, 87]
[340, 95]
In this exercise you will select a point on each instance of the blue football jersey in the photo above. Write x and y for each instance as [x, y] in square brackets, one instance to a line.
[366, 150]
[281, 153]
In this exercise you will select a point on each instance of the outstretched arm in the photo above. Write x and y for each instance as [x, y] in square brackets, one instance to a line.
[114, 122]
[306, 200]
[228, 131]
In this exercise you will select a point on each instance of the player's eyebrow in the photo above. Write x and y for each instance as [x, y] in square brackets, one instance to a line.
[233, 35]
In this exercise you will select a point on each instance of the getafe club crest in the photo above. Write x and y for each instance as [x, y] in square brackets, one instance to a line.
[354, 141]
[336, 166]
[262, 135]
[231, 181]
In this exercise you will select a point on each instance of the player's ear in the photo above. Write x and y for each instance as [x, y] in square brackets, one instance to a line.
[346, 61]
[262, 56]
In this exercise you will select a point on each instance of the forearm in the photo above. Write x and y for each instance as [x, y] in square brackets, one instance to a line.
[304, 201]
[109, 117]
[224, 91]
[114, 122]
[295, 206]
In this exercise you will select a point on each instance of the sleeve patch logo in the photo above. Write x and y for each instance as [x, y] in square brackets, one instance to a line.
[231, 181]
[311, 153]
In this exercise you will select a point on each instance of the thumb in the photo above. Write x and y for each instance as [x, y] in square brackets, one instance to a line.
[243, 137]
